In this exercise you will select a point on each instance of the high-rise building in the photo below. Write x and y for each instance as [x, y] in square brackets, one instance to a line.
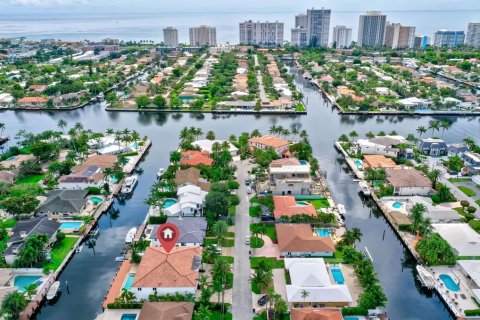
[299, 37]
[421, 42]
[398, 36]
[371, 29]
[473, 35]
[203, 36]
[342, 36]
[301, 21]
[318, 27]
[261, 33]
[170, 37]
[448, 38]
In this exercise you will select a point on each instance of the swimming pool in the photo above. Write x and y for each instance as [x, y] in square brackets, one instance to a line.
[128, 316]
[303, 162]
[11, 158]
[397, 205]
[324, 232]
[337, 275]
[128, 281]
[358, 163]
[22, 282]
[71, 225]
[168, 203]
[351, 318]
[134, 145]
[449, 283]
[303, 203]
[95, 200]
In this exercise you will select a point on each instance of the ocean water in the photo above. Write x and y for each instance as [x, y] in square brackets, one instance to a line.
[148, 26]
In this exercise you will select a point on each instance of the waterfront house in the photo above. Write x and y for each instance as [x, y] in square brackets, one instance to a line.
[432, 147]
[378, 161]
[32, 102]
[457, 149]
[286, 206]
[437, 213]
[166, 311]
[191, 201]
[192, 232]
[6, 100]
[207, 145]
[87, 174]
[312, 275]
[167, 273]
[414, 103]
[381, 145]
[472, 162]
[408, 182]
[63, 203]
[23, 230]
[191, 176]
[267, 142]
[16, 161]
[289, 176]
[298, 240]
[471, 270]
[462, 238]
[316, 314]
[69, 99]
[195, 158]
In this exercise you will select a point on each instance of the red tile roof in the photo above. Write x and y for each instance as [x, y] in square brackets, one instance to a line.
[269, 141]
[322, 314]
[287, 206]
[299, 237]
[195, 158]
[33, 100]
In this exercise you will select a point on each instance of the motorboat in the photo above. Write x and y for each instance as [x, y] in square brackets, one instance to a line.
[341, 209]
[52, 292]
[130, 183]
[130, 235]
[364, 187]
[425, 277]
[120, 258]
[79, 249]
[160, 173]
[3, 140]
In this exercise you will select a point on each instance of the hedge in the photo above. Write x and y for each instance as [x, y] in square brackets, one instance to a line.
[124, 306]
[473, 312]
[354, 311]
[157, 219]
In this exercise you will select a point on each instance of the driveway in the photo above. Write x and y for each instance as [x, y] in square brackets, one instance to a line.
[279, 283]
[269, 249]
[242, 290]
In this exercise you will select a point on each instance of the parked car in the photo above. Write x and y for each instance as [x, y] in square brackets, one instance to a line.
[247, 239]
[267, 217]
[249, 190]
[262, 301]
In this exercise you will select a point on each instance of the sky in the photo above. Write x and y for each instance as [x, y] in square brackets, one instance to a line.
[119, 6]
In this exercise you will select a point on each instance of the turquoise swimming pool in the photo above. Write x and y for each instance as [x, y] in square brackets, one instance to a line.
[95, 200]
[134, 145]
[22, 282]
[449, 283]
[71, 225]
[128, 281]
[303, 203]
[337, 275]
[397, 205]
[351, 318]
[128, 316]
[324, 232]
[168, 203]
[358, 163]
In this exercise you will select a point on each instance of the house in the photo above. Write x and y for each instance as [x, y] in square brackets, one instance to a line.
[437, 214]
[8, 176]
[207, 145]
[24, 229]
[382, 145]
[378, 161]
[432, 147]
[312, 275]
[166, 311]
[88, 174]
[6, 100]
[408, 182]
[472, 162]
[16, 161]
[414, 103]
[63, 203]
[286, 206]
[268, 141]
[191, 232]
[32, 102]
[191, 201]
[471, 271]
[289, 176]
[298, 240]
[316, 314]
[462, 238]
[191, 176]
[456, 149]
[195, 158]
[37, 87]
[167, 273]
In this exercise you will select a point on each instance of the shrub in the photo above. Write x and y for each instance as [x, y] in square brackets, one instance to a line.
[354, 311]
[233, 185]
[473, 312]
[475, 225]
[157, 219]
[94, 190]
[471, 209]
[464, 203]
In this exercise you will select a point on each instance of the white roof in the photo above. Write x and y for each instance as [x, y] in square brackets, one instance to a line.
[308, 272]
[291, 169]
[463, 239]
[435, 213]
[472, 268]
[206, 145]
[333, 293]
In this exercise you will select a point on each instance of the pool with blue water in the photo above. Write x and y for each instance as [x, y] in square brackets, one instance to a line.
[71, 225]
[449, 283]
[168, 203]
[337, 275]
[22, 282]
[324, 232]
[129, 281]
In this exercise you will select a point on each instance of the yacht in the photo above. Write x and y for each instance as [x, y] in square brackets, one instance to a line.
[130, 184]
[365, 188]
[425, 277]
[130, 235]
[341, 209]
[52, 292]
[160, 173]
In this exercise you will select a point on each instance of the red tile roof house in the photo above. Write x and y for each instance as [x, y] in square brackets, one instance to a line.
[298, 240]
[287, 206]
[269, 141]
[32, 102]
[316, 314]
[195, 158]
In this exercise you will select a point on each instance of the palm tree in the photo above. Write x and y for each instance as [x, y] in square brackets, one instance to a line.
[305, 294]
[13, 304]
[62, 125]
[434, 175]
[273, 130]
[421, 130]
[256, 229]
[445, 124]
[353, 134]
[126, 297]
[262, 277]
[370, 135]
[295, 132]
[109, 131]
[220, 230]
[2, 127]
[416, 215]
[434, 125]
[357, 234]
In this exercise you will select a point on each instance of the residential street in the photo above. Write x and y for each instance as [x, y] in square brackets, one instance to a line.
[242, 293]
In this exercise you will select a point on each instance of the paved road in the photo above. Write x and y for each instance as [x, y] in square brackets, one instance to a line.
[242, 293]
[261, 87]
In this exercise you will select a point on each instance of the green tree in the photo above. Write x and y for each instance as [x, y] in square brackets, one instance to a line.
[21, 205]
[220, 230]
[202, 313]
[13, 304]
[160, 101]
[62, 125]
[33, 251]
[142, 101]
[210, 135]
[434, 250]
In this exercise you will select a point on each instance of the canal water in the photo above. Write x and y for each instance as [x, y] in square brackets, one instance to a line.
[90, 273]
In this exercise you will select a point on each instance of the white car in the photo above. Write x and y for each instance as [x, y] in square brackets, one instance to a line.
[247, 239]
[249, 190]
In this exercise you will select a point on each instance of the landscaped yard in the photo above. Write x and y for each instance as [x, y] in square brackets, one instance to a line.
[225, 242]
[33, 179]
[269, 231]
[273, 263]
[453, 180]
[478, 202]
[337, 258]
[469, 192]
[256, 242]
[255, 211]
[59, 252]
[217, 315]
[318, 204]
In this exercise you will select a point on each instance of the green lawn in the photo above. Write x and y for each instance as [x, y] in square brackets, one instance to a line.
[59, 252]
[256, 288]
[255, 211]
[217, 315]
[272, 262]
[318, 204]
[453, 180]
[225, 242]
[8, 223]
[33, 179]
[270, 231]
[230, 235]
[469, 192]
[256, 242]
[337, 257]
[228, 259]
[477, 202]
[299, 107]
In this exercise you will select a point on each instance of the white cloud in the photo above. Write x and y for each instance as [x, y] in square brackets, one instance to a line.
[42, 3]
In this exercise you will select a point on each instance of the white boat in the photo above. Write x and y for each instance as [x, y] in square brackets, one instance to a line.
[365, 189]
[425, 277]
[52, 292]
[120, 258]
[341, 209]
[130, 184]
[79, 249]
[160, 173]
[130, 235]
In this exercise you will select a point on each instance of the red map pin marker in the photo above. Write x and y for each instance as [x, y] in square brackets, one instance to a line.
[168, 234]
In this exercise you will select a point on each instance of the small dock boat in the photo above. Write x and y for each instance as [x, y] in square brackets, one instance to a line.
[341, 209]
[79, 249]
[130, 235]
[3, 140]
[365, 189]
[52, 292]
[160, 173]
[120, 258]
[425, 277]
[130, 184]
